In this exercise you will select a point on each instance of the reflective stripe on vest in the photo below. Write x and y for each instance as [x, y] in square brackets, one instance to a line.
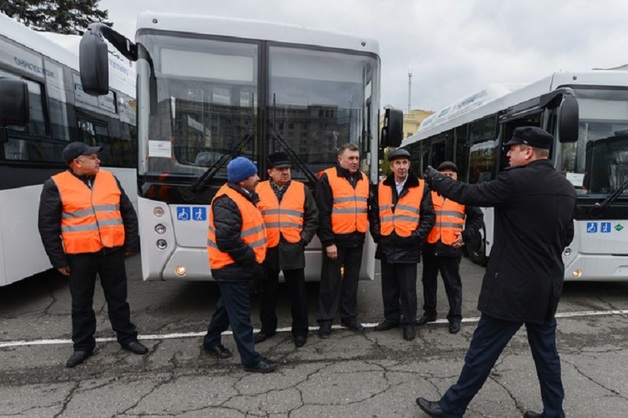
[285, 218]
[90, 218]
[350, 206]
[252, 231]
[404, 220]
[449, 220]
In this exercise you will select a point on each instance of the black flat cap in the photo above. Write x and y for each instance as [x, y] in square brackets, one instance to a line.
[447, 165]
[533, 136]
[399, 153]
[278, 160]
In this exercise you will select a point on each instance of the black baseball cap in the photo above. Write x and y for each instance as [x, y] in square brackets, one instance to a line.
[75, 149]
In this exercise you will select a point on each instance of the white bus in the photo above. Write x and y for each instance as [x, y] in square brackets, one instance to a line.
[587, 112]
[210, 89]
[60, 112]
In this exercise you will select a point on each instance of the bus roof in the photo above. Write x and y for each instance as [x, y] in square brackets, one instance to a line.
[64, 50]
[251, 29]
[499, 97]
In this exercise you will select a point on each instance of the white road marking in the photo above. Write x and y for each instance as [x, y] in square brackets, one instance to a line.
[181, 335]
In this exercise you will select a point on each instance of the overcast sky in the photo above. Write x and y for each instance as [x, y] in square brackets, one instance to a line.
[452, 47]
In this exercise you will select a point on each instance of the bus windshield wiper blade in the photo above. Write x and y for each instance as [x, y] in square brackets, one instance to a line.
[598, 208]
[202, 182]
[296, 159]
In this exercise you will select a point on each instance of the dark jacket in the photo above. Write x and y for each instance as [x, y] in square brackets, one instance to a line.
[396, 249]
[473, 223]
[534, 207]
[291, 256]
[228, 223]
[324, 201]
[50, 209]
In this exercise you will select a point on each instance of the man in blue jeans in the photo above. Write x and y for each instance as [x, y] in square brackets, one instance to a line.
[534, 206]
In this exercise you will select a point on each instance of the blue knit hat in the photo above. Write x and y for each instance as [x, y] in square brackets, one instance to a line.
[239, 169]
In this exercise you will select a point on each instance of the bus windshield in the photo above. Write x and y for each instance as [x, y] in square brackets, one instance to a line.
[597, 164]
[207, 103]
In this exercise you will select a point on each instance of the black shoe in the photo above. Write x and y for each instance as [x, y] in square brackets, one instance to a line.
[324, 331]
[385, 325]
[264, 366]
[217, 350]
[135, 347]
[300, 341]
[424, 319]
[262, 336]
[77, 358]
[454, 327]
[409, 333]
[532, 414]
[430, 408]
[352, 324]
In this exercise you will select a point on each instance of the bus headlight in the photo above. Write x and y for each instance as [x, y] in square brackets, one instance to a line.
[160, 229]
[161, 244]
[159, 212]
[180, 271]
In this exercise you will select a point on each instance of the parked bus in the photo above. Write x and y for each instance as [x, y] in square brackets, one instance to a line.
[60, 112]
[210, 89]
[587, 112]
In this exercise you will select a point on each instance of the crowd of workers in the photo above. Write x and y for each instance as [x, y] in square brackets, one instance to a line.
[258, 230]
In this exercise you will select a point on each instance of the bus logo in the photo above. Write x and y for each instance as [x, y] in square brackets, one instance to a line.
[188, 213]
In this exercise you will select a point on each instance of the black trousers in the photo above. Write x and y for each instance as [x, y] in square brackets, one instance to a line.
[449, 268]
[399, 292]
[234, 309]
[83, 270]
[339, 288]
[295, 279]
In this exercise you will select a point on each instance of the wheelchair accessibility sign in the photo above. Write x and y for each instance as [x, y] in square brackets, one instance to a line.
[595, 227]
[191, 213]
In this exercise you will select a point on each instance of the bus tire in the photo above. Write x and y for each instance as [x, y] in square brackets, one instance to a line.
[476, 248]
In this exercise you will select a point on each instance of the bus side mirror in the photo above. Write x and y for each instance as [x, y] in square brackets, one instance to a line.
[568, 117]
[14, 108]
[94, 64]
[392, 131]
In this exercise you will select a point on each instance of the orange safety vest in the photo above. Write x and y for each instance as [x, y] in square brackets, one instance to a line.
[350, 206]
[252, 231]
[91, 218]
[404, 220]
[285, 218]
[449, 220]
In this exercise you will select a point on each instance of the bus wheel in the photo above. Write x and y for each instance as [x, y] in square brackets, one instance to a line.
[476, 248]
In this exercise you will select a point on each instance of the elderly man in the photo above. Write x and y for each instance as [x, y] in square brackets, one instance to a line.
[405, 218]
[291, 218]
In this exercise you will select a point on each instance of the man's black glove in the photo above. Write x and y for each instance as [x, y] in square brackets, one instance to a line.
[431, 175]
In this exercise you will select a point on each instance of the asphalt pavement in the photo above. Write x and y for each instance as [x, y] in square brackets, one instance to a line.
[351, 374]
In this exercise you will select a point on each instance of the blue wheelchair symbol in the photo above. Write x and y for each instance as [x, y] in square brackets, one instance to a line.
[591, 227]
[183, 213]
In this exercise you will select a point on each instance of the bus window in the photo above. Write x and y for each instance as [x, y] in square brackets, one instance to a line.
[482, 158]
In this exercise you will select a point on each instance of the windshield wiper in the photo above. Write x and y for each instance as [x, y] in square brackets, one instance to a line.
[201, 183]
[598, 208]
[296, 159]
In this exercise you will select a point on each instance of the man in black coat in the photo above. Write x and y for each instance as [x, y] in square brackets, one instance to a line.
[534, 207]
[405, 217]
[291, 218]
